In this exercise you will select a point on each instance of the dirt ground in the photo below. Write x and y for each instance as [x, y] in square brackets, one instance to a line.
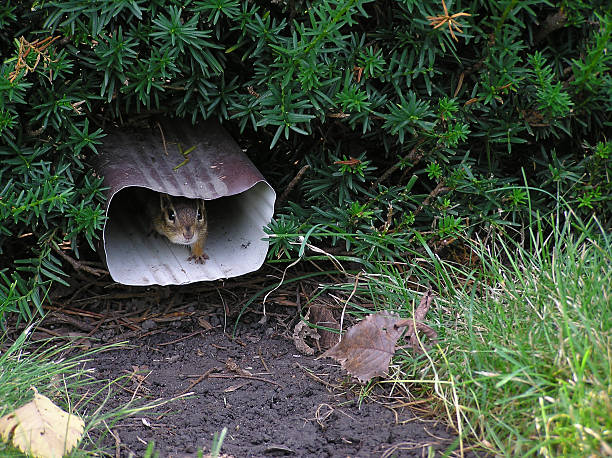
[273, 400]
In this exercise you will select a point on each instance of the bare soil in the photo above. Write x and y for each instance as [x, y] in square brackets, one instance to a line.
[274, 401]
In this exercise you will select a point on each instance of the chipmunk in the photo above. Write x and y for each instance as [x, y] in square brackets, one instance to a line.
[183, 221]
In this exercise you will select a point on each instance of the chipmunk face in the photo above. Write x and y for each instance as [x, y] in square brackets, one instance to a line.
[182, 220]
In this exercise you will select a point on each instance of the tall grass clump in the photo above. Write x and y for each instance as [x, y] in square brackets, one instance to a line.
[523, 362]
[531, 359]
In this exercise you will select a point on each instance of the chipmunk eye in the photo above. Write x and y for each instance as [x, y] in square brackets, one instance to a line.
[171, 216]
[199, 215]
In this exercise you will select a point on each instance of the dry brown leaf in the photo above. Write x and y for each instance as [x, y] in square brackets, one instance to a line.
[416, 323]
[232, 388]
[322, 316]
[366, 349]
[300, 332]
[42, 429]
[204, 323]
[232, 365]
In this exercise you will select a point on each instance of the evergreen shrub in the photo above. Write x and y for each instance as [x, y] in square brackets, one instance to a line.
[409, 119]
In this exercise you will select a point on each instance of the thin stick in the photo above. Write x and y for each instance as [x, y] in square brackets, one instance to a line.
[346, 303]
[281, 200]
[200, 378]
[437, 190]
[263, 361]
[163, 138]
[249, 377]
[315, 377]
[181, 339]
[414, 156]
[79, 265]
[139, 385]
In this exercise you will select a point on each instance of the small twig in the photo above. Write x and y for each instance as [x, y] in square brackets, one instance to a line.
[77, 265]
[384, 228]
[86, 287]
[263, 361]
[131, 295]
[250, 377]
[57, 317]
[50, 332]
[433, 194]
[414, 156]
[91, 333]
[235, 340]
[393, 449]
[281, 200]
[225, 311]
[346, 303]
[117, 440]
[316, 377]
[200, 378]
[321, 418]
[189, 336]
[68, 311]
[140, 382]
[459, 84]
[161, 131]
[416, 322]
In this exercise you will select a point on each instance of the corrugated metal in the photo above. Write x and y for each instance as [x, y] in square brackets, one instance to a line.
[239, 203]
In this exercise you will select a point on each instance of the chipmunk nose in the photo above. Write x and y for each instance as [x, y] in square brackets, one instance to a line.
[187, 233]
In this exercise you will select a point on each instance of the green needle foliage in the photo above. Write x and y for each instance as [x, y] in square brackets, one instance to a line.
[414, 119]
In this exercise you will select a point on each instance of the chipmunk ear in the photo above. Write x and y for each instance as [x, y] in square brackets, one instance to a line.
[201, 210]
[164, 201]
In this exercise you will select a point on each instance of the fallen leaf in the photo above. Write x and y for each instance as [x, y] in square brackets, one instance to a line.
[300, 332]
[204, 323]
[366, 349]
[232, 388]
[42, 429]
[233, 366]
[416, 323]
[322, 316]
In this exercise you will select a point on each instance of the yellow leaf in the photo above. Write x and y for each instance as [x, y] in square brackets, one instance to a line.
[42, 429]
